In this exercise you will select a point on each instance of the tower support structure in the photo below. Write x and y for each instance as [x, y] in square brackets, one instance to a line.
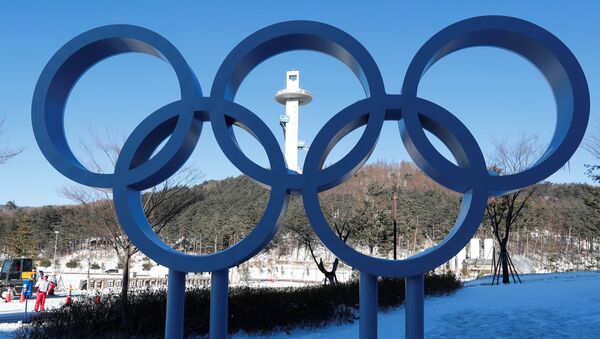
[292, 97]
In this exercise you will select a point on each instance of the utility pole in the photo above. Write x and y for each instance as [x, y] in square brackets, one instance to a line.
[394, 197]
[55, 247]
[89, 260]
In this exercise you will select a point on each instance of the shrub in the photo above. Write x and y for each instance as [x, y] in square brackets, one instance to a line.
[73, 263]
[147, 266]
[44, 262]
[95, 266]
[464, 272]
[279, 309]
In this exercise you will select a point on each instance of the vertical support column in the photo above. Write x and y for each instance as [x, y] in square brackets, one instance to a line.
[291, 134]
[219, 284]
[368, 306]
[414, 307]
[175, 305]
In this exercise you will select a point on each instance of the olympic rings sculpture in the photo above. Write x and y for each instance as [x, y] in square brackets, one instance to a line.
[181, 122]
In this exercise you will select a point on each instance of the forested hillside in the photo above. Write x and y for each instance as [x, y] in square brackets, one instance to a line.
[556, 222]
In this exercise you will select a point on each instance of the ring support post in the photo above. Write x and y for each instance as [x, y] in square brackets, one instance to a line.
[175, 305]
[368, 306]
[218, 304]
[414, 307]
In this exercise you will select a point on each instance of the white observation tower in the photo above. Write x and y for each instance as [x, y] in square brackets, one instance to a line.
[292, 97]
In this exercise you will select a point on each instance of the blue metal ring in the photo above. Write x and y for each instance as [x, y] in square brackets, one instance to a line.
[464, 148]
[289, 36]
[556, 62]
[66, 67]
[127, 196]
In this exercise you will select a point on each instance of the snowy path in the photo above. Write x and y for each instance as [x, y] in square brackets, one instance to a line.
[11, 314]
[15, 309]
[565, 305]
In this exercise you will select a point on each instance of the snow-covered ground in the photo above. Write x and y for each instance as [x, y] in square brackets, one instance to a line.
[7, 329]
[559, 305]
[269, 268]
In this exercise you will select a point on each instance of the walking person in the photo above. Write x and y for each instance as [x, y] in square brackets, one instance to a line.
[42, 285]
[53, 284]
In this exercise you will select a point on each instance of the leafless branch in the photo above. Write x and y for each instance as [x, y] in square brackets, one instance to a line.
[6, 153]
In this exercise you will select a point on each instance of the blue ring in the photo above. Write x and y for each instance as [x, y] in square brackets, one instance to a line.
[128, 203]
[462, 145]
[556, 62]
[66, 67]
[290, 36]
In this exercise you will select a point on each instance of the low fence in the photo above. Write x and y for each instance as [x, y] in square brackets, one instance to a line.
[141, 282]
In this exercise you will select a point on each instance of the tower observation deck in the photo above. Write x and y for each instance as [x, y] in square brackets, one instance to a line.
[292, 97]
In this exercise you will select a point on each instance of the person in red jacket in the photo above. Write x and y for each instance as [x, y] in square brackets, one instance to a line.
[43, 285]
[53, 284]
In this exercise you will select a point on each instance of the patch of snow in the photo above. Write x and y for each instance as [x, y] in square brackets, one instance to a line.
[559, 305]
[523, 264]
[7, 330]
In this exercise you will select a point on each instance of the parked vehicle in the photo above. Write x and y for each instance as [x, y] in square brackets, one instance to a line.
[12, 273]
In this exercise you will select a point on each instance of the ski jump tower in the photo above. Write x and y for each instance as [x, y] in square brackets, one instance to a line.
[292, 97]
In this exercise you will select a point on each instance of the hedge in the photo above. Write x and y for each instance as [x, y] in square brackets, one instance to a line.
[252, 310]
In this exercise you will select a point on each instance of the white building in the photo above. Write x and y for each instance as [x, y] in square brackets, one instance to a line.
[474, 248]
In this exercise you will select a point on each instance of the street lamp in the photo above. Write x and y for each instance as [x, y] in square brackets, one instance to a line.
[89, 257]
[55, 246]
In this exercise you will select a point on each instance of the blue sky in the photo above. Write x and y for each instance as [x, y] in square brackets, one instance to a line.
[498, 95]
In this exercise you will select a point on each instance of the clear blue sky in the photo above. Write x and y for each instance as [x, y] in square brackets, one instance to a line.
[496, 94]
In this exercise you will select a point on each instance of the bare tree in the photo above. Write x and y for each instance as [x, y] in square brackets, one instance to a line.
[162, 204]
[592, 145]
[6, 153]
[592, 199]
[337, 211]
[505, 211]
